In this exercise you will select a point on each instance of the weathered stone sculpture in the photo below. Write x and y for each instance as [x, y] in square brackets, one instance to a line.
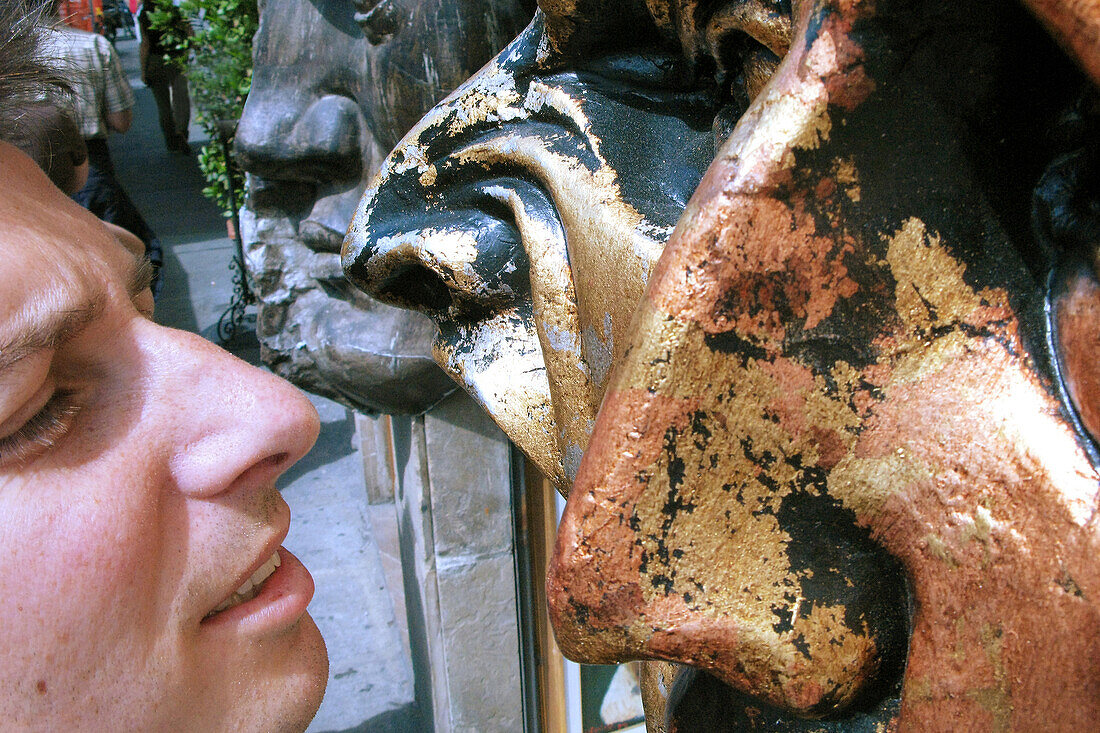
[335, 84]
[847, 463]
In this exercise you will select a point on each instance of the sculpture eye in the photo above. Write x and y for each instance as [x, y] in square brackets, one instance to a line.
[744, 41]
[1075, 316]
[747, 40]
[652, 69]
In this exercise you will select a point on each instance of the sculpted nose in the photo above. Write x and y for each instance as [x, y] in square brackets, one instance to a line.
[316, 141]
[456, 251]
[454, 222]
[699, 531]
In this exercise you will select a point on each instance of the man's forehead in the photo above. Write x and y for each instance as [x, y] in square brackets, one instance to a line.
[53, 254]
[38, 277]
[37, 219]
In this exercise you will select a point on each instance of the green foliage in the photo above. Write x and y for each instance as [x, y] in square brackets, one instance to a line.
[216, 54]
[212, 163]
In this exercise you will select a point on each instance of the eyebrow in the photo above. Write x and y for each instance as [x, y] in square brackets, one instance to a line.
[57, 327]
[141, 278]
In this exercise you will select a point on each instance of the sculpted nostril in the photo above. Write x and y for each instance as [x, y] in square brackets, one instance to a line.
[415, 286]
[290, 196]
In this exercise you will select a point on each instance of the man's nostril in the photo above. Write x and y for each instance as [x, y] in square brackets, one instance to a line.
[415, 286]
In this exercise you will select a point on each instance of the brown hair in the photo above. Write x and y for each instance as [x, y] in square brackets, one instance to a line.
[24, 73]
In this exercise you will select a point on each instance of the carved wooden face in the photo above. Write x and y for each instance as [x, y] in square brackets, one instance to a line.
[848, 464]
[332, 89]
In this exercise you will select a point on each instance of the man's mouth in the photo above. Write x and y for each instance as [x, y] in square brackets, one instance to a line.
[251, 587]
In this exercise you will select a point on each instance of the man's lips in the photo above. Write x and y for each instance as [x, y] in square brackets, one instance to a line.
[278, 600]
[250, 588]
[250, 582]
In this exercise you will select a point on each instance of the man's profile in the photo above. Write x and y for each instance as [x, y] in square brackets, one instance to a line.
[144, 586]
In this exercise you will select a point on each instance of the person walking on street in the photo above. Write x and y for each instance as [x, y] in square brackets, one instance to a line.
[102, 102]
[161, 73]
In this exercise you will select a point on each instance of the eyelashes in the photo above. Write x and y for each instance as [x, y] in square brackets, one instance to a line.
[40, 432]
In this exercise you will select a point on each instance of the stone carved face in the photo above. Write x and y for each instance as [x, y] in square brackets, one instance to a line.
[335, 84]
[843, 439]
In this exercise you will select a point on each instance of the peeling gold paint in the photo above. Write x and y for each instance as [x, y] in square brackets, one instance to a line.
[864, 484]
[712, 570]
[930, 289]
[848, 178]
[608, 283]
[997, 699]
[938, 549]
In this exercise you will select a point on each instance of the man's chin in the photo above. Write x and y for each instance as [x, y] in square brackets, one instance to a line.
[296, 688]
[310, 681]
[252, 685]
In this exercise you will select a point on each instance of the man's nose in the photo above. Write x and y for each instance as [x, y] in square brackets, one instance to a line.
[229, 426]
[311, 140]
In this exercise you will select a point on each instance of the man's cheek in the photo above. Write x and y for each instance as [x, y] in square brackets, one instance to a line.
[71, 580]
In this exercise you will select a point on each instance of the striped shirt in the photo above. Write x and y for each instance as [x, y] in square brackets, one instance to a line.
[91, 65]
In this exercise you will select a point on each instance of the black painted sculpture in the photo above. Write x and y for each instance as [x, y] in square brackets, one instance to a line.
[335, 85]
[525, 212]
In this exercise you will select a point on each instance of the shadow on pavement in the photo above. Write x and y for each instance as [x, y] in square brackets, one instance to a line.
[402, 720]
[335, 441]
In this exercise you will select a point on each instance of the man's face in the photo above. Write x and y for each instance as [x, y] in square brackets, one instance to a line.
[137, 470]
[335, 84]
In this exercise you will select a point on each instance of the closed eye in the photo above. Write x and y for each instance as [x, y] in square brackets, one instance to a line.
[41, 432]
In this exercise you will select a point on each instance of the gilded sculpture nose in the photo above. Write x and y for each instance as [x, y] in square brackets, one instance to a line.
[450, 251]
[442, 229]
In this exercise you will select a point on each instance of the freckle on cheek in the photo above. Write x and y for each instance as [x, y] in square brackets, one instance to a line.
[40, 686]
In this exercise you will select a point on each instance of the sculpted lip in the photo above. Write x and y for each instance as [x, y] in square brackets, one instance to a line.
[320, 237]
[281, 601]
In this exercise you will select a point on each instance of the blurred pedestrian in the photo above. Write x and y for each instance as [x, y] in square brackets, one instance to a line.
[102, 102]
[161, 72]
